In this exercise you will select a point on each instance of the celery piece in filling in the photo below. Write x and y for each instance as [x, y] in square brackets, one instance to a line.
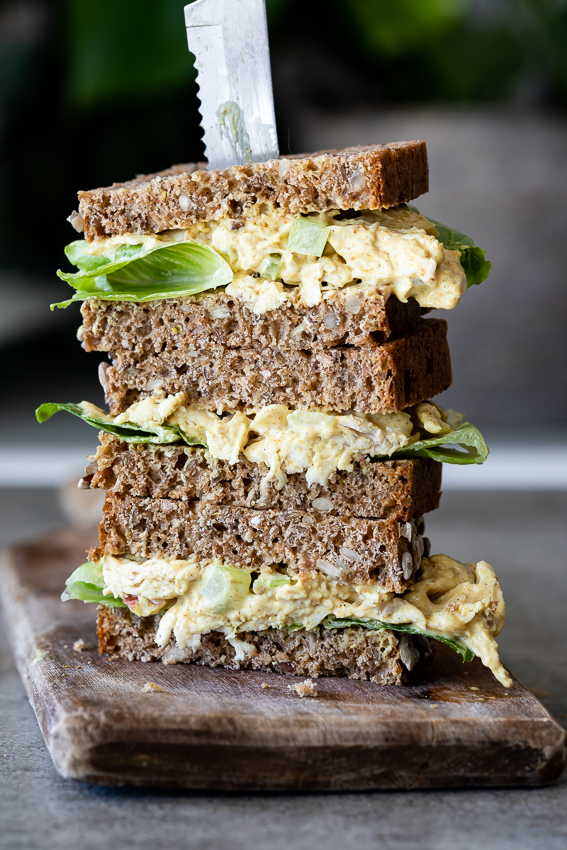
[308, 236]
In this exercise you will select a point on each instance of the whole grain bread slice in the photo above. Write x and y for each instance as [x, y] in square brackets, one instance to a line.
[384, 551]
[402, 489]
[348, 316]
[362, 177]
[377, 656]
[393, 376]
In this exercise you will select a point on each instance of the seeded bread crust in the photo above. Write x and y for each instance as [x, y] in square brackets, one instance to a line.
[362, 550]
[355, 653]
[362, 177]
[214, 319]
[392, 376]
[401, 489]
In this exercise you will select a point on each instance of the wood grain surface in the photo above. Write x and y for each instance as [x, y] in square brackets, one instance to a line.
[456, 726]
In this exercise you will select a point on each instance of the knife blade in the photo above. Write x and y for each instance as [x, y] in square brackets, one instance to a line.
[229, 39]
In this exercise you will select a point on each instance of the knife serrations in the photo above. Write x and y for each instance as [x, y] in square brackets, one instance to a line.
[229, 39]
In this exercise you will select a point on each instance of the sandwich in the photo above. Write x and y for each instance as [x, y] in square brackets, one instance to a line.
[271, 443]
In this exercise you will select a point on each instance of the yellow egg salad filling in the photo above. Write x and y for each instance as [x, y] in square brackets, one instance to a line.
[396, 249]
[289, 441]
[450, 600]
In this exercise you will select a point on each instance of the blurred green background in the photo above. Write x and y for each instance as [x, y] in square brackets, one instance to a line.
[94, 91]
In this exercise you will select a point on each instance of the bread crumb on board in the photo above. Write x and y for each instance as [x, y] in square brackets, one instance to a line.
[80, 645]
[152, 688]
[307, 688]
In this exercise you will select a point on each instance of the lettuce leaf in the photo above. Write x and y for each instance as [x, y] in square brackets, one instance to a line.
[473, 259]
[473, 448]
[457, 644]
[87, 583]
[130, 433]
[140, 273]
[85, 262]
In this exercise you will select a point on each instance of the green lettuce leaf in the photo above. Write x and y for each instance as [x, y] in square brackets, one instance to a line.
[130, 433]
[457, 644]
[473, 448]
[87, 583]
[85, 262]
[138, 273]
[473, 258]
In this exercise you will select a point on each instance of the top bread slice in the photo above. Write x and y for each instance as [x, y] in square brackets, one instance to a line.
[357, 178]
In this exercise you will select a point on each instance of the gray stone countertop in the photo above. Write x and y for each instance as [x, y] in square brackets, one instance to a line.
[522, 534]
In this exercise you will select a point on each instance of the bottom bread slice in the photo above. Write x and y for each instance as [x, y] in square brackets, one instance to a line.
[380, 656]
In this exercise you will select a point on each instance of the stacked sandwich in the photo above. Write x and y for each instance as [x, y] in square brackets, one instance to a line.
[271, 445]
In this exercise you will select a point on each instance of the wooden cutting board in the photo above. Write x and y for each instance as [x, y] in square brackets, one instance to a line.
[222, 730]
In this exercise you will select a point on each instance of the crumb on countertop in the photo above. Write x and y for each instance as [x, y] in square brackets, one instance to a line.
[151, 687]
[80, 645]
[308, 688]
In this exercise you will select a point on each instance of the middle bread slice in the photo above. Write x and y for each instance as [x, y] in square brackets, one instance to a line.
[391, 376]
[390, 489]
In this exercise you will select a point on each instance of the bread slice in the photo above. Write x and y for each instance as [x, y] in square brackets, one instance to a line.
[400, 489]
[385, 551]
[363, 177]
[377, 656]
[392, 376]
[179, 327]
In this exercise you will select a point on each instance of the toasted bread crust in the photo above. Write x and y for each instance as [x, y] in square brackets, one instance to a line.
[401, 489]
[376, 549]
[363, 177]
[354, 653]
[392, 376]
[214, 319]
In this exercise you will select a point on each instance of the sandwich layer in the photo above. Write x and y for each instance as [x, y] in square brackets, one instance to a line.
[286, 441]
[460, 604]
[385, 551]
[401, 489]
[275, 260]
[376, 656]
[181, 327]
[392, 376]
[364, 177]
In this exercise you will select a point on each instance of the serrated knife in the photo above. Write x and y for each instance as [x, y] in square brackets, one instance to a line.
[229, 39]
